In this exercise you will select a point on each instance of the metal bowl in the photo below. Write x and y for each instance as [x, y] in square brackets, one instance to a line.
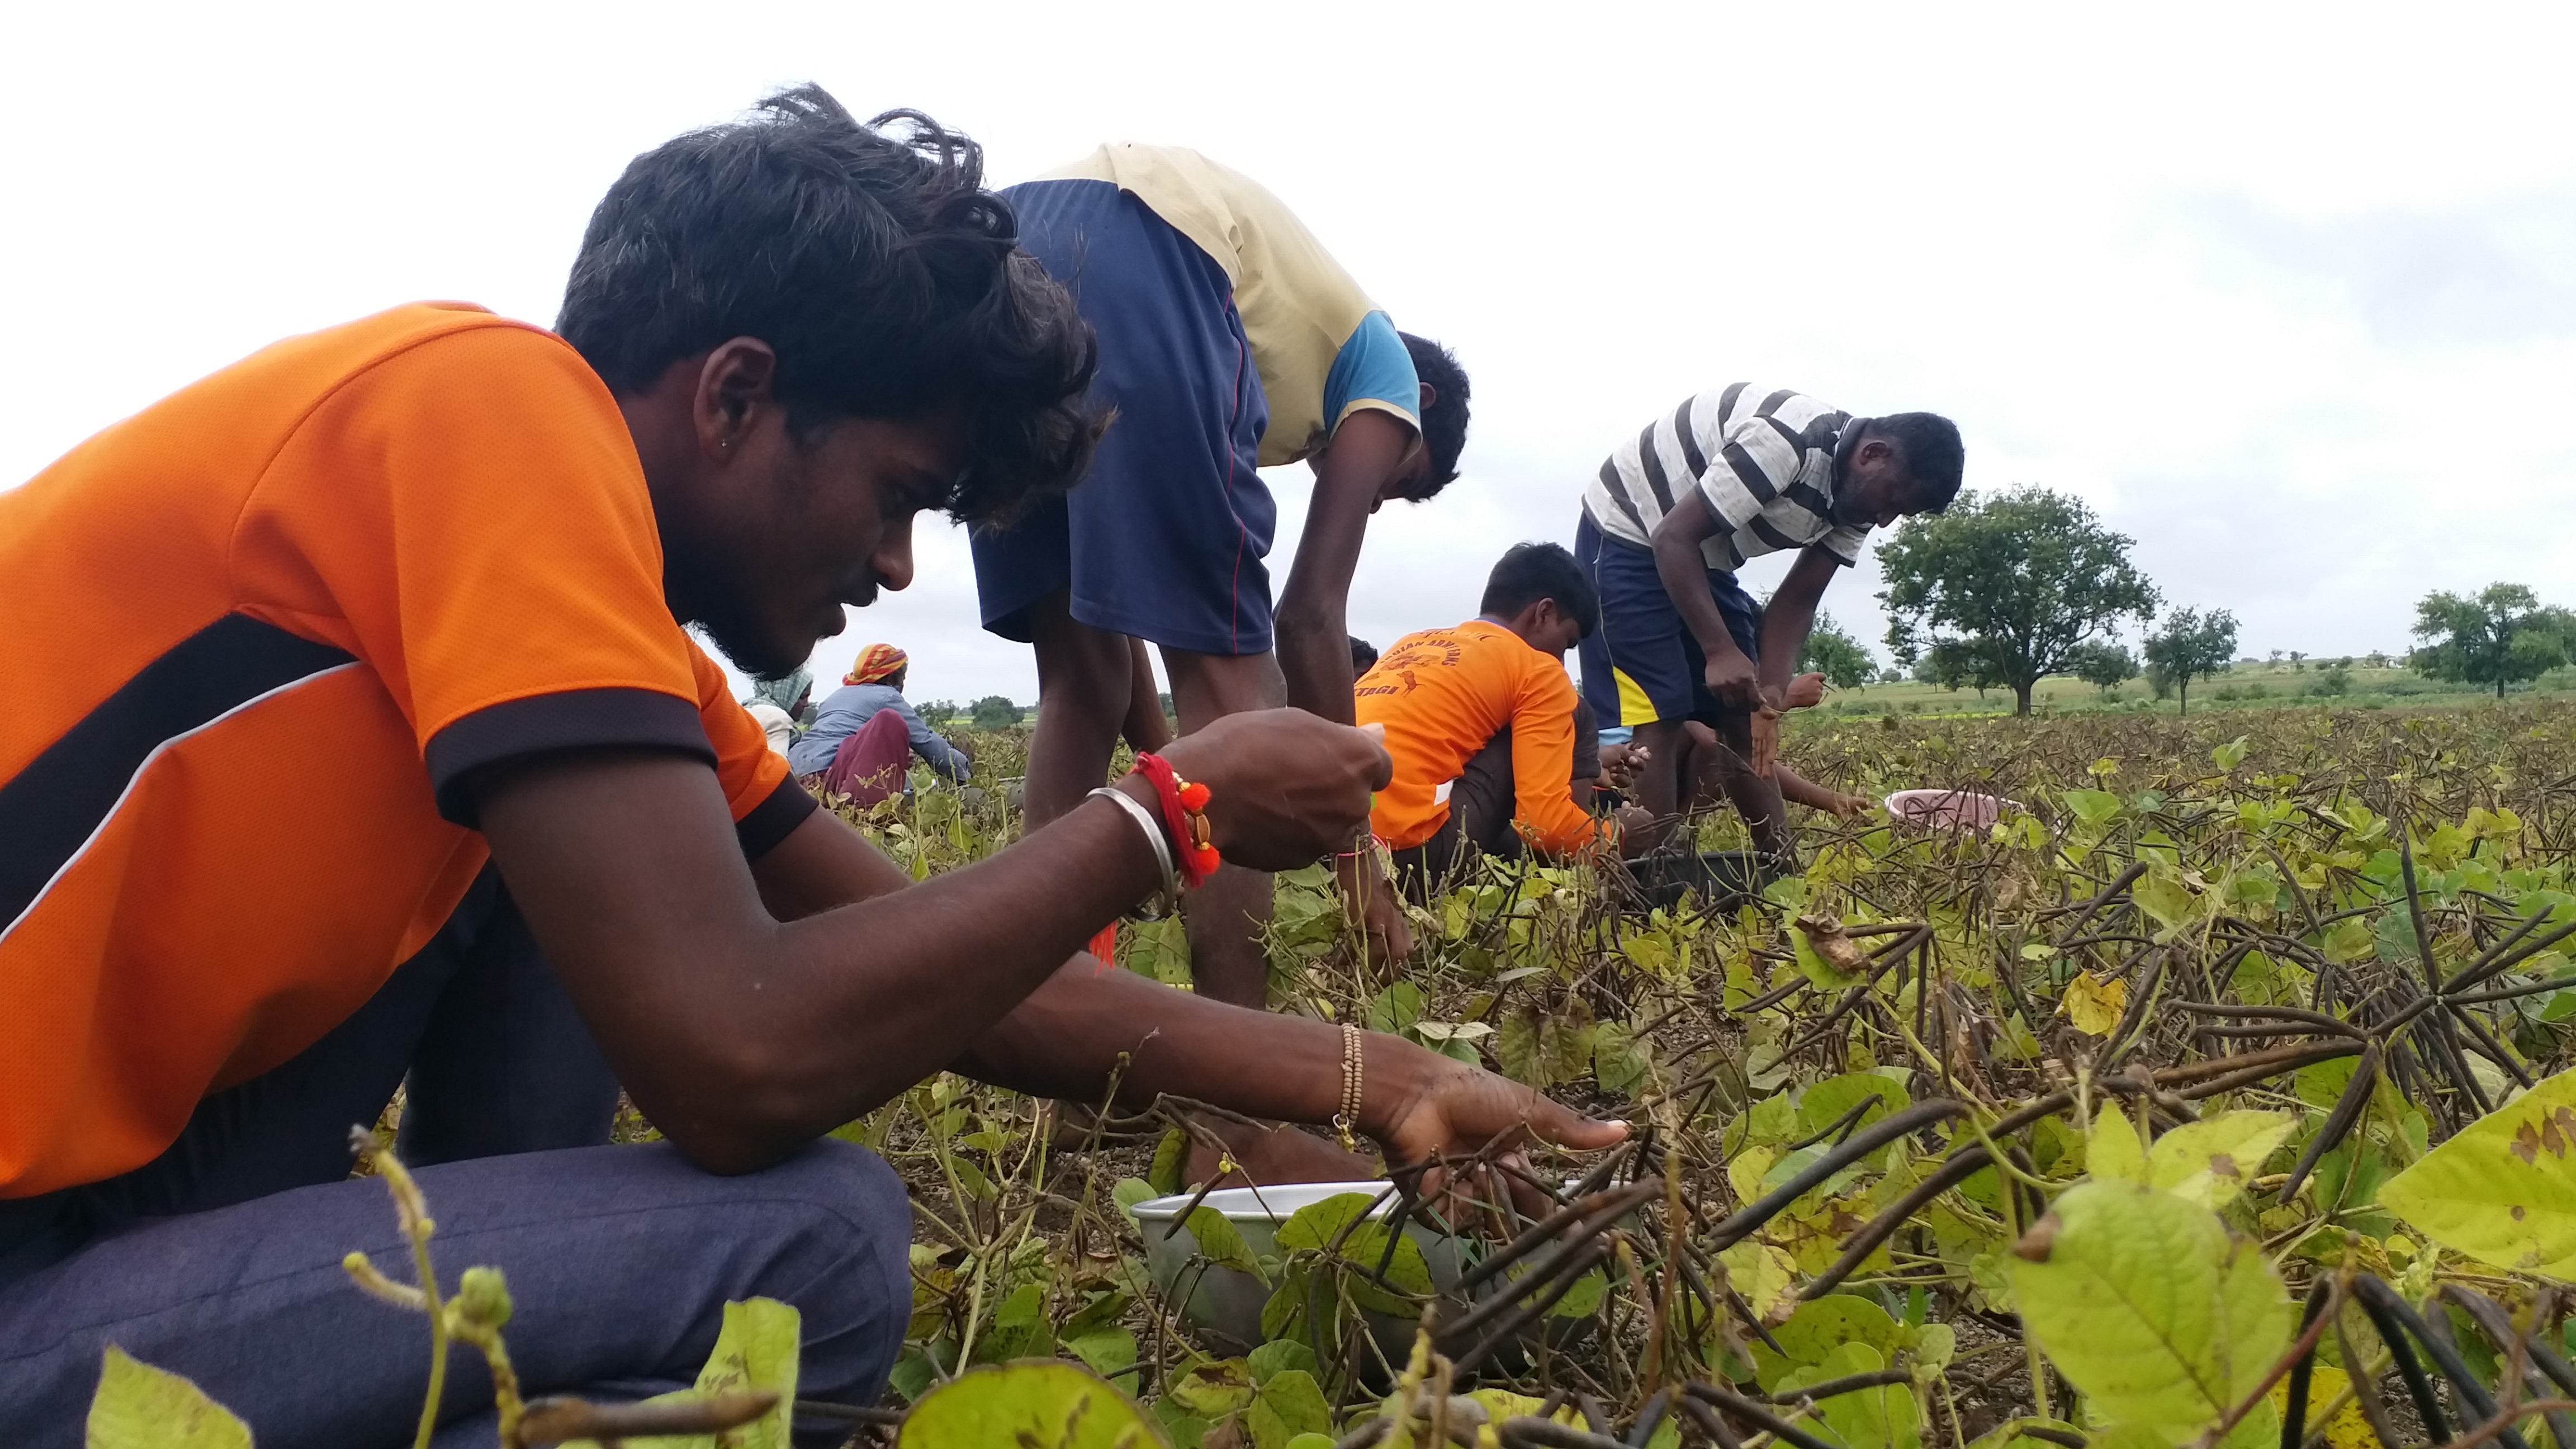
[1226, 1303]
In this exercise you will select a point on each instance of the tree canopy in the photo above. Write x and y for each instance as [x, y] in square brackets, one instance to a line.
[2501, 635]
[2104, 665]
[994, 712]
[2190, 646]
[1831, 651]
[2006, 589]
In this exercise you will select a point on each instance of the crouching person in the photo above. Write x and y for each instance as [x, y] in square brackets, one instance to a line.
[405, 770]
[1492, 746]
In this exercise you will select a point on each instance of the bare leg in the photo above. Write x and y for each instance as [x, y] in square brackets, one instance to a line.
[1083, 696]
[1756, 799]
[1226, 914]
[1671, 758]
[1146, 729]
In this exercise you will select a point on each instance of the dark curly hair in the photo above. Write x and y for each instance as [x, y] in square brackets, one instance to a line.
[871, 259]
[1444, 423]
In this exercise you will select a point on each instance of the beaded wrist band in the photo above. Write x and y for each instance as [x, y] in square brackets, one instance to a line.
[1353, 1066]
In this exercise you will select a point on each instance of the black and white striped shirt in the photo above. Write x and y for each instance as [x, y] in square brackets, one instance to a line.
[1762, 458]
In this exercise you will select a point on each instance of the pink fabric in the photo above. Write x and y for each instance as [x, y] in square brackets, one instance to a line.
[870, 764]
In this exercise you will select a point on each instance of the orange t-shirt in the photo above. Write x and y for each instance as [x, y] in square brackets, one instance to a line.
[1442, 695]
[257, 637]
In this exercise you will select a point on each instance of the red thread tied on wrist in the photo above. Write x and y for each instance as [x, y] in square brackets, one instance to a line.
[1184, 805]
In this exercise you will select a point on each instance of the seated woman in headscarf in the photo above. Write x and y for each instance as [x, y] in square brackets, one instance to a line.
[873, 685]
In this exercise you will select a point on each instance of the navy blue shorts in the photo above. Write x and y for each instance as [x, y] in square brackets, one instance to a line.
[1642, 665]
[1164, 539]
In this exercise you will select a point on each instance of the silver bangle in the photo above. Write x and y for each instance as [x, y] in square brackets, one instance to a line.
[1154, 836]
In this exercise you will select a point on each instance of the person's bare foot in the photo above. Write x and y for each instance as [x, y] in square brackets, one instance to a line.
[1275, 1156]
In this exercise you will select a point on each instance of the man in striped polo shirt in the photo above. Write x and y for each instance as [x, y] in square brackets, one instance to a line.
[1729, 476]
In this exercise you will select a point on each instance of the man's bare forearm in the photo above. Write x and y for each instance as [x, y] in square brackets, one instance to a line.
[1314, 646]
[1685, 579]
[1088, 1026]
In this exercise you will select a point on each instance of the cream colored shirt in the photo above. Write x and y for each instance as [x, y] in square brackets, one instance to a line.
[1299, 308]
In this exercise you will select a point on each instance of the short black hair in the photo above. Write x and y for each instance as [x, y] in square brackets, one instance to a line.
[871, 259]
[1444, 423]
[1363, 654]
[1534, 571]
[1934, 456]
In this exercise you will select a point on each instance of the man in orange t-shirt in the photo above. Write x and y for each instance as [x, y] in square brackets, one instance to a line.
[1493, 746]
[355, 742]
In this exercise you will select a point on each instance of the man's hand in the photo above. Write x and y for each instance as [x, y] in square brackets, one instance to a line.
[1619, 766]
[1730, 676]
[1804, 692]
[1284, 787]
[1462, 1111]
[1766, 741]
[1368, 900]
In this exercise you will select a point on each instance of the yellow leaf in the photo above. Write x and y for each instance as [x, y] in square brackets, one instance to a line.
[2093, 1004]
[2326, 1383]
[2503, 1189]
[1765, 1275]
[2211, 1160]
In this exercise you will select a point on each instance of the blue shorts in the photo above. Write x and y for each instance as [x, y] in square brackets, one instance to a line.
[1164, 538]
[1642, 665]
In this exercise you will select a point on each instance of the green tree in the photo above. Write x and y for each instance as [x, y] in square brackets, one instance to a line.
[2104, 665]
[995, 712]
[939, 711]
[2190, 646]
[2501, 635]
[1831, 651]
[2018, 582]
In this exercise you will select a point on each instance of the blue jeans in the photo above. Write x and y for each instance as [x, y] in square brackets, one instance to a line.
[220, 1260]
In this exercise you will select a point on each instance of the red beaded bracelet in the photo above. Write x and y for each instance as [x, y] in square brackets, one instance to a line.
[1184, 803]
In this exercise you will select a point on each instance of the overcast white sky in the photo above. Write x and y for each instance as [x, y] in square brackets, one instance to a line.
[2287, 293]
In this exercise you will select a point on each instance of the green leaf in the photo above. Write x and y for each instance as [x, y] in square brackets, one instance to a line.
[1516, 1048]
[2210, 1161]
[2145, 1303]
[1037, 1403]
[1219, 1243]
[2502, 1190]
[2091, 806]
[141, 1407]
[1290, 1404]
[1618, 1061]
[1881, 1417]
[1824, 1104]
[1822, 1327]
[1565, 1040]
[1131, 1191]
[1109, 1352]
[2166, 898]
[1310, 1227]
[755, 1350]
[1215, 1389]
[2112, 1153]
[1278, 1356]
[1171, 1159]
[1395, 1008]
[2229, 755]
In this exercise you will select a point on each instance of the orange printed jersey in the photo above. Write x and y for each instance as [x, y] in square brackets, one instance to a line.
[1442, 695]
[259, 636]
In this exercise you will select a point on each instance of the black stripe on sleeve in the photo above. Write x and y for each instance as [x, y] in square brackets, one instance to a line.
[1749, 472]
[1763, 529]
[1617, 488]
[773, 819]
[52, 808]
[575, 719]
[1650, 461]
[1772, 403]
[1726, 402]
[1691, 455]
[1806, 497]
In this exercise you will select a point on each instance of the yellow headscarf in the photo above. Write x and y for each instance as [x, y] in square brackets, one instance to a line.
[874, 663]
